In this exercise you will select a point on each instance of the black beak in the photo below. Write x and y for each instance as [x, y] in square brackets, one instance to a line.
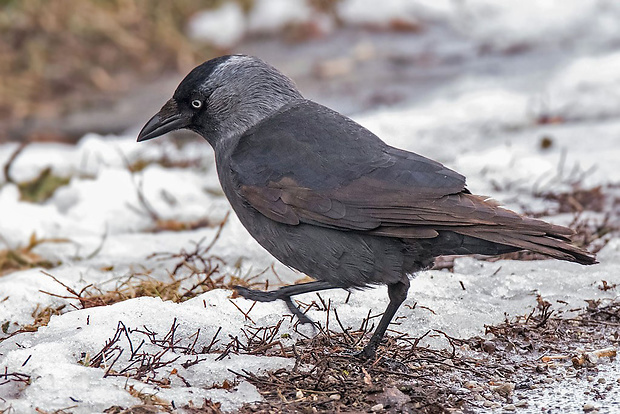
[167, 119]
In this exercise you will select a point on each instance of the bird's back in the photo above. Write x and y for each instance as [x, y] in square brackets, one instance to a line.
[310, 183]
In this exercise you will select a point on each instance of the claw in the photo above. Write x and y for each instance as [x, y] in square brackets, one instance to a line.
[365, 354]
[303, 319]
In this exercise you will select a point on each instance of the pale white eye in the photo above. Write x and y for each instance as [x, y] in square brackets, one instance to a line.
[196, 103]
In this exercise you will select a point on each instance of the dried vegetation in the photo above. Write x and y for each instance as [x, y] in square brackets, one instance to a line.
[20, 258]
[538, 350]
[43, 55]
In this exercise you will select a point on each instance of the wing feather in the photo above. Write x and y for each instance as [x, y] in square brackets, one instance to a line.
[359, 183]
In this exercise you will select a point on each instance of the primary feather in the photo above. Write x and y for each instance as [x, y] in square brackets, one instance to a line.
[374, 188]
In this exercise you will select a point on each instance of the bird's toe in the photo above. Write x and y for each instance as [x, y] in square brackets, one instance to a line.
[369, 352]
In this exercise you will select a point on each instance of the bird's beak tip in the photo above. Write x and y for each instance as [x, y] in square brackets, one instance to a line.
[148, 129]
[166, 120]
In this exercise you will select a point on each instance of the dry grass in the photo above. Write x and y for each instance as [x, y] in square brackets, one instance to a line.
[192, 273]
[41, 317]
[40, 188]
[21, 258]
[530, 351]
[58, 55]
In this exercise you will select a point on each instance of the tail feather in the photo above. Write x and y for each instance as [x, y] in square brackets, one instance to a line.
[524, 233]
[544, 244]
[464, 223]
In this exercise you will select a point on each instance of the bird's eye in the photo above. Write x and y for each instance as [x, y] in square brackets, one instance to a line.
[196, 103]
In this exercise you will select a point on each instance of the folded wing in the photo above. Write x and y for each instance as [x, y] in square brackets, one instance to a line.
[361, 184]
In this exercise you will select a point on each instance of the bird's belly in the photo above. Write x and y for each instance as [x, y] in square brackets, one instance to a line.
[344, 258]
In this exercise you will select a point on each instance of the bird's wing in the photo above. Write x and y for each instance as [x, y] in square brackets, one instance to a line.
[309, 164]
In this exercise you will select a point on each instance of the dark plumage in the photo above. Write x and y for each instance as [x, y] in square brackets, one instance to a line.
[327, 197]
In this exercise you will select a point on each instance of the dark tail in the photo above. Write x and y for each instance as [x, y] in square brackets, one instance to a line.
[513, 232]
[549, 244]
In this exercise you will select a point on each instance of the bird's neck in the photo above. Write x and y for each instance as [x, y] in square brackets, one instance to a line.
[251, 111]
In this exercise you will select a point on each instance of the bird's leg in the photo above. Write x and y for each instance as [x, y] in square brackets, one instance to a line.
[303, 319]
[397, 293]
[285, 294]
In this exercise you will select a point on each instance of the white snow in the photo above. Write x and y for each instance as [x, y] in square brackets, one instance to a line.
[588, 88]
[54, 352]
[270, 16]
[222, 27]
[499, 25]
[488, 24]
[226, 25]
[368, 13]
[537, 23]
[483, 127]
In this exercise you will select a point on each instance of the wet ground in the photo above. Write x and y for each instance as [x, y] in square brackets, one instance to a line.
[535, 363]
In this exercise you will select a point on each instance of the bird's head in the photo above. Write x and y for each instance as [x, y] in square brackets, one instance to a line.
[223, 98]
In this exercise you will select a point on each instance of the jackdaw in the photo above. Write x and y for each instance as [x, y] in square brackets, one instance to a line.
[327, 197]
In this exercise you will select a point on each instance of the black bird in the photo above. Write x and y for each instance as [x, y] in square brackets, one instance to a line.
[327, 197]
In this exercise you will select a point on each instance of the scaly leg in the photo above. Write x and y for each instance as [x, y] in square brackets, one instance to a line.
[397, 293]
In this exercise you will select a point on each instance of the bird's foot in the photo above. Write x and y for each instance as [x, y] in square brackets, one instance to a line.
[366, 354]
[303, 319]
[262, 296]
[394, 364]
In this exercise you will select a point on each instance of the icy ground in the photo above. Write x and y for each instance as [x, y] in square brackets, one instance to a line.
[477, 125]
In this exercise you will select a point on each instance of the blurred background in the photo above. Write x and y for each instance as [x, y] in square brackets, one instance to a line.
[522, 97]
[68, 67]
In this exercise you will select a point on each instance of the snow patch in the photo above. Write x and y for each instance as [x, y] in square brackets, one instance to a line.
[271, 16]
[223, 27]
